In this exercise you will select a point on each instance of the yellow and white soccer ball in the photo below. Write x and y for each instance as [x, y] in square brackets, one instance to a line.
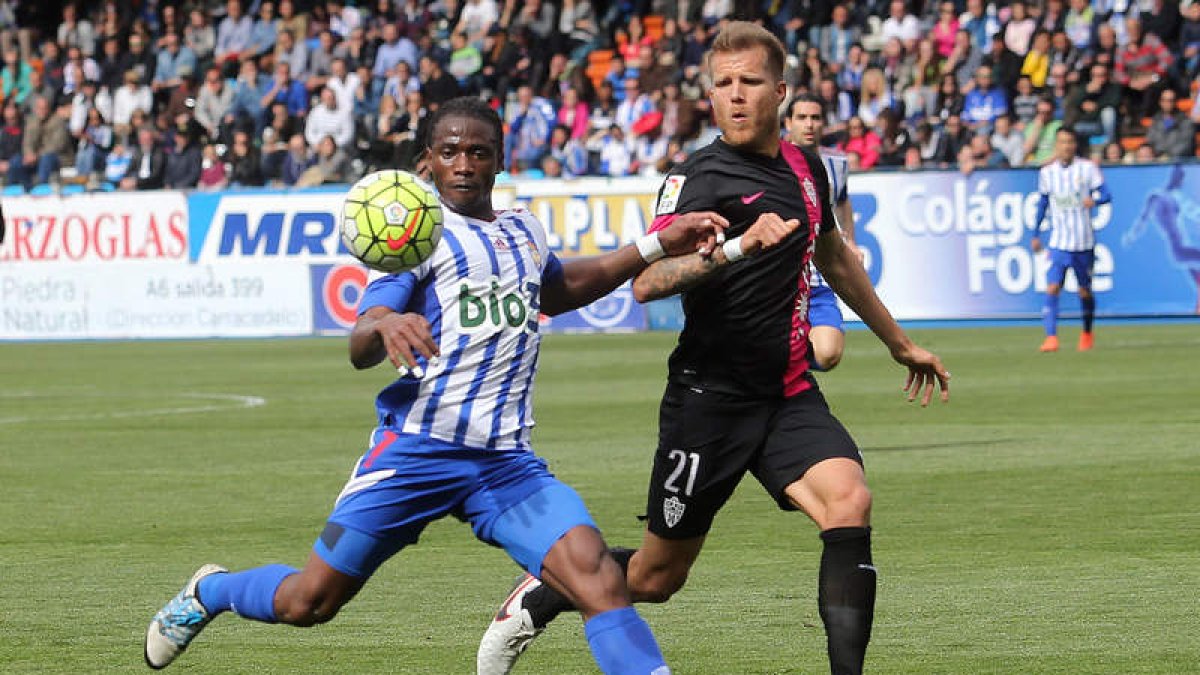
[391, 220]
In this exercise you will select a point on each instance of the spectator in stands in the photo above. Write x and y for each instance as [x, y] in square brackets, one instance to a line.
[912, 158]
[296, 162]
[78, 69]
[1143, 155]
[569, 151]
[965, 160]
[1079, 24]
[1188, 65]
[400, 82]
[1105, 47]
[577, 21]
[836, 38]
[874, 98]
[214, 174]
[1064, 54]
[234, 35]
[1036, 65]
[861, 141]
[1161, 19]
[603, 110]
[92, 145]
[649, 144]
[173, 58]
[199, 36]
[529, 130]
[332, 165]
[476, 19]
[849, 74]
[1141, 67]
[437, 86]
[1024, 104]
[290, 20]
[984, 103]
[680, 120]
[945, 29]
[953, 136]
[613, 151]
[140, 59]
[52, 65]
[147, 164]
[395, 48]
[293, 52]
[358, 50]
[1053, 14]
[185, 159]
[926, 73]
[902, 25]
[635, 104]
[287, 90]
[14, 80]
[1039, 133]
[116, 165]
[343, 19]
[264, 32]
[38, 88]
[927, 140]
[327, 119]
[245, 162]
[131, 96]
[980, 24]
[573, 114]
[83, 100]
[1018, 31]
[964, 60]
[1008, 140]
[76, 31]
[11, 138]
[839, 108]
[465, 64]
[213, 102]
[538, 18]
[1091, 107]
[366, 101]
[320, 61]
[1113, 153]
[984, 155]
[1171, 133]
[894, 139]
[275, 139]
[1005, 65]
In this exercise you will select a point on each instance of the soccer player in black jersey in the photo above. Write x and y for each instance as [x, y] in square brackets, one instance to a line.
[739, 396]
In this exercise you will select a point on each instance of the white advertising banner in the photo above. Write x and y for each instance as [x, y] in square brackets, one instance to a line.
[117, 226]
[40, 300]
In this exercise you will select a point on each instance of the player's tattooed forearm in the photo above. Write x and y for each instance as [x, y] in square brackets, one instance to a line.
[672, 275]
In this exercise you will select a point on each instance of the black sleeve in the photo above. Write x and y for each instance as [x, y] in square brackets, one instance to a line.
[685, 190]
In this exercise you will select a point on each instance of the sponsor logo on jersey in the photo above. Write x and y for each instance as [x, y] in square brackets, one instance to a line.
[491, 310]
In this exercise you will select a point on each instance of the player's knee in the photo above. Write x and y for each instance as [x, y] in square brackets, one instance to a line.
[658, 585]
[306, 610]
[851, 507]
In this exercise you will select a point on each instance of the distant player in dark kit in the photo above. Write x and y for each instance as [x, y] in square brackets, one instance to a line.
[739, 396]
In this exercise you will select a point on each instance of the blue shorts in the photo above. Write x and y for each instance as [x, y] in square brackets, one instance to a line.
[823, 308]
[1079, 261]
[404, 482]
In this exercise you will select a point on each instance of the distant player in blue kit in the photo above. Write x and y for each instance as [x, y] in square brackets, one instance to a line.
[1070, 187]
[805, 122]
[453, 436]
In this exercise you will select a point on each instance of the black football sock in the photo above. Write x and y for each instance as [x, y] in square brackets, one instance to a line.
[545, 604]
[1089, 312]
[846, 596]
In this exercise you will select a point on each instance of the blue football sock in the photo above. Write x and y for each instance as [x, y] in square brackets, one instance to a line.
[1050, 314]
[250, 594]
[1089, 312]
[622, 643]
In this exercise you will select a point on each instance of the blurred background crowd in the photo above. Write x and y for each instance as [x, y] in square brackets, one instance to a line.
[208, 94]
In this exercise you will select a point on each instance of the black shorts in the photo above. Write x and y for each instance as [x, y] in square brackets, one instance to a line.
[707, 441]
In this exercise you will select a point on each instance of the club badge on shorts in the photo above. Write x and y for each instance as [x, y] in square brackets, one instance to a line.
[673, 510]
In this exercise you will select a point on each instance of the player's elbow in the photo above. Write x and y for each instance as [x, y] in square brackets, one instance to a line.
[643, 290]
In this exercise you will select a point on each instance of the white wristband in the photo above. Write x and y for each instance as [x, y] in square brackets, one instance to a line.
[650, 247]
[733, 249]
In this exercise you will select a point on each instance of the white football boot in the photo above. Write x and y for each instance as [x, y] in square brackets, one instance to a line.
[510, 632]
[178, 622]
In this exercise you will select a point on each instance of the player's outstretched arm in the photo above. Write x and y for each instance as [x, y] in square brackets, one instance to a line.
[845, 274]
[585, 280]
[382, 333]
[669, 276]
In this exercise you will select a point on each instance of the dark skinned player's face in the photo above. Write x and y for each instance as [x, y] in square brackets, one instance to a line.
[464, 156]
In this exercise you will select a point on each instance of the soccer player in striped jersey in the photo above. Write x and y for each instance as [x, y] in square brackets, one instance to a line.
[1070, 187]
[453, 430]
[805, 122]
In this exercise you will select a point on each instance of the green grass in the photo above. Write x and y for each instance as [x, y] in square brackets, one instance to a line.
[1045, 521]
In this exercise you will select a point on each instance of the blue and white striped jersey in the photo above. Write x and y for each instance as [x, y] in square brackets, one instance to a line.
[480, 293]
[1066, 186]
[837, 167]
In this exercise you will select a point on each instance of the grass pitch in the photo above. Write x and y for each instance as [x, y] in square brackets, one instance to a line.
[1045, 521]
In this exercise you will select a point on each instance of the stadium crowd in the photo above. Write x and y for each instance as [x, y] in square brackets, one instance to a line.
[208, 93]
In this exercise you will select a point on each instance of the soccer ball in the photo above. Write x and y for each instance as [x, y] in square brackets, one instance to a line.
[391, 221]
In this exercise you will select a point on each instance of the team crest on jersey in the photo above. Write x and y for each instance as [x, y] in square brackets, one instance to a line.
[673, 510]
[669, 199]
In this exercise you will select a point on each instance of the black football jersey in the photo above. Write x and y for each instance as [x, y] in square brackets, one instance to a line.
[746, 326]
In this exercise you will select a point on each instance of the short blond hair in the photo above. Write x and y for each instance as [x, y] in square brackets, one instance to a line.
[739, 36]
